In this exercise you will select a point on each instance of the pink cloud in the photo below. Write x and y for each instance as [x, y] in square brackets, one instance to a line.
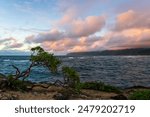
[131, 38]
[52, 35]
[10, 43]
[132, 30]
[90, 25]
[132, 19]
[80, 32]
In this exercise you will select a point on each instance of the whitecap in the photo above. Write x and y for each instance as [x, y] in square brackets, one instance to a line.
[70, 57]
[6, 60]
[21, 61]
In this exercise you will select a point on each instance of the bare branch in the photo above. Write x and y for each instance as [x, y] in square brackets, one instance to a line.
[17, 72]
[23, 74]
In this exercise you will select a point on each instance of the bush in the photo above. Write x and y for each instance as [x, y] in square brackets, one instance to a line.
[140, 95]
[71, 78]
[99, 86]
[16, 84]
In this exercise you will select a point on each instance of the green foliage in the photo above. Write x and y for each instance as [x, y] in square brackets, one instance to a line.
[40, 57]
[140, 95]
[16, 84]
[71, 78]
[99, 86]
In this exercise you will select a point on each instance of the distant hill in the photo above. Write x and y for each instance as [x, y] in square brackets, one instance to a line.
[134, 51]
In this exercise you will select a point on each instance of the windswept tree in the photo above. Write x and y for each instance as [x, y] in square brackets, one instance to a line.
[39, 57]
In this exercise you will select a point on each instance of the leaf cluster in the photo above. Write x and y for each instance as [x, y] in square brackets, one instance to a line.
[41, 57]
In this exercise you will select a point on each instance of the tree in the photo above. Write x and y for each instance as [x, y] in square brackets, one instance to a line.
[40, 57]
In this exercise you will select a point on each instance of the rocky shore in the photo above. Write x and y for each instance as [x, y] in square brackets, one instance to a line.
[44, 91]
[53, 92]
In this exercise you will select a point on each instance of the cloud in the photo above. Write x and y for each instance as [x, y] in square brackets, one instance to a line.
[15, 45]
[78, 36]
[70, 45]
[5, 40]
[132, 19]
[132, 30]
[86, 27]
[130, 38]
[52, 35]
[10, 43]
[77, 27]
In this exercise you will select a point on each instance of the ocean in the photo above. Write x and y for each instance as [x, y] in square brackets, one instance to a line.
[119, 71]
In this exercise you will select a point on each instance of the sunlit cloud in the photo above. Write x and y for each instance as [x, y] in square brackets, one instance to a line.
[10, 43]
[75, 25]
[132, 19]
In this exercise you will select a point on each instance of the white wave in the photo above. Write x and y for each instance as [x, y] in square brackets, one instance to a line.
[21, 61]
[6, 60]
[70, 57]
[81, 57]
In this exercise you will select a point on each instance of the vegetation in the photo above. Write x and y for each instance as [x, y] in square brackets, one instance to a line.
[134, 51]
[99, 86]
[40, 57]
[71, 84]
[140, 95]
[16, 84]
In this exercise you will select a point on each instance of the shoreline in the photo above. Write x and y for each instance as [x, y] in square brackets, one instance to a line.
[44, 91]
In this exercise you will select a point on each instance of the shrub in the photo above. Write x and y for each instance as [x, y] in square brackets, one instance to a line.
[16, 84]
[140, 95]
[71, 78]
[100, 86]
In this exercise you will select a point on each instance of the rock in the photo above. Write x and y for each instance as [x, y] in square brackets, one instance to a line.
[35, 93]
[60, 96]
[4, 98]
[14, 97]
[119, 97]
[83, 96]
[8, 97]
[1, 96]
[3, 84]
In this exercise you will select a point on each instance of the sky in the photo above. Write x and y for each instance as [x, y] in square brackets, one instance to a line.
[63, 26]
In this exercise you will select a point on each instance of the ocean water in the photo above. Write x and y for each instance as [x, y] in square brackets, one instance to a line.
[120, 71]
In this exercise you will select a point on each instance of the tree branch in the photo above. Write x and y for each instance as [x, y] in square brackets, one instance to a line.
[23, 74]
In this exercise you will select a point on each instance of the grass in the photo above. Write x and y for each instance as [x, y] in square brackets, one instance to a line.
[100, 87]
[140, 95]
